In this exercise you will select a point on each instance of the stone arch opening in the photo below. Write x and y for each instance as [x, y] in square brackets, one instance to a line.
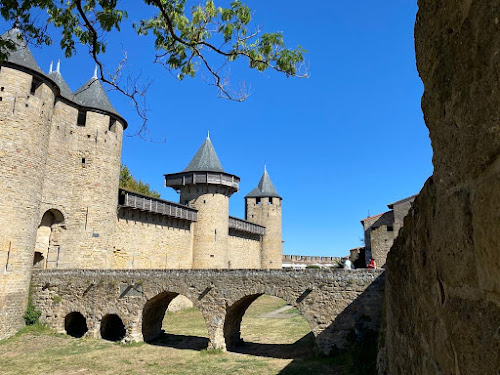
[112, 328]
[265, 325]
[75, 324]
[48, 240]
[170, 319]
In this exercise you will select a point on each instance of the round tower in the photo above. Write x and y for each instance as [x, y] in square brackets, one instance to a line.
[97, 135]
[263, 207]
[205, 186]
[26, 105]
[81, 179]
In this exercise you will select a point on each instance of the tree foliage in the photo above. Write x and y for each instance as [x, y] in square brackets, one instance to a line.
[187, 36]
[127, 181]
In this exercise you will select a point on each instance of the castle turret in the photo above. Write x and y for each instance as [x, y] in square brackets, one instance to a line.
[84, 154]
[26, 106]
[263, 207]
[205, 186]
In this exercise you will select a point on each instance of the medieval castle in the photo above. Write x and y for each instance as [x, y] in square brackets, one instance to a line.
[61, 206]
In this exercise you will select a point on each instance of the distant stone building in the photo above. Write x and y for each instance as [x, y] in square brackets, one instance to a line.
[61, 206]
[381, 230]
[302, 261]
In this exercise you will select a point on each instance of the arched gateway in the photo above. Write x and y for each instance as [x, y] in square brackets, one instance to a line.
[332, 301]
[48, 240]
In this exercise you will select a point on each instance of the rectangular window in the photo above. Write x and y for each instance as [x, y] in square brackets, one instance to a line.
[257, 200]
[390, 229]
[35, 84]
[82, 118]
[112, 125]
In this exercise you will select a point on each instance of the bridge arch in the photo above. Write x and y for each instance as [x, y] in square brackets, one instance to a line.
[236, 312]
[153, 315]
[234, 316]
[112, 328]
[75, 324]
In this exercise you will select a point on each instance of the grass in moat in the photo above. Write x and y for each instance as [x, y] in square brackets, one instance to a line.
[269, 349]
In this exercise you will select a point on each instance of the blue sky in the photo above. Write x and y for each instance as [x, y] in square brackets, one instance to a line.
[341, 144]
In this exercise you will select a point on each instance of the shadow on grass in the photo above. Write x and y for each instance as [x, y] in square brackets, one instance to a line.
[302, 348]
[318, 365]
[181, 342]
[355, 325]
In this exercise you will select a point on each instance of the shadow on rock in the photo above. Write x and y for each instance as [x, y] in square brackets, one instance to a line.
[351, 339]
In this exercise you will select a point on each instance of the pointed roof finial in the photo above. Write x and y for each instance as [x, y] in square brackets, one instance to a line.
[208, 134]
[265, 188]
[205, 159]
[50, 67]
[95, 72]
[58, 66]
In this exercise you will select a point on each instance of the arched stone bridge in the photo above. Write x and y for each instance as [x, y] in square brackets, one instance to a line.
[332, 301]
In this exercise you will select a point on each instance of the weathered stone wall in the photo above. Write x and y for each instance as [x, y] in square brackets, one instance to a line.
[443, 284]
[332, 301]
[400, 212]
[381, 240]
[268, 214]
[147, 240]
[24, 136]
[372, 223]
[243, 252]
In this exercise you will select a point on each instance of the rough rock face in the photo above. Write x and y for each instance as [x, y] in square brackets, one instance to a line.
[443, 272]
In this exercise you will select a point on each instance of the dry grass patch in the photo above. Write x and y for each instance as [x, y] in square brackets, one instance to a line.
[37, 351]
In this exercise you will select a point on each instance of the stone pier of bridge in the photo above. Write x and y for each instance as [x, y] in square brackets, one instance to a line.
[334, 302]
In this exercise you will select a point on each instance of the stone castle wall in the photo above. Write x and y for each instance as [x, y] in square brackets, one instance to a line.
[268, 214]
[370, 225]
[145, 240]
[381, 240]
[244, 252]
[443, 284]
[24, 136]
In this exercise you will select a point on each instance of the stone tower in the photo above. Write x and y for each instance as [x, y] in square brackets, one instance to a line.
[263, 207]
[94, 149]
[205, 186]
[59, 171]
[26, 106]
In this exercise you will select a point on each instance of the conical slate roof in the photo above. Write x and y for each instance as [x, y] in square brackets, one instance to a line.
[21, 55]
[264, 189]
[92, 95]
[205, 159]
[58, 78]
